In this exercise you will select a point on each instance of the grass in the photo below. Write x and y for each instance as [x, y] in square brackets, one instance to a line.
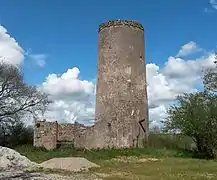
[160, 145]
[117, 164]
[164, 169]
[39, 154]
[173, 162]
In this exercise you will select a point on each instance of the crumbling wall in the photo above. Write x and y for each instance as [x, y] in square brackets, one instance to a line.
[66, 132]
[49, 134]
[45, 134]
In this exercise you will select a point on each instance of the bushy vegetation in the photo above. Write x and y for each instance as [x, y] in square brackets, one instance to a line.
[195, 115]
[17, 135]
[170, 141]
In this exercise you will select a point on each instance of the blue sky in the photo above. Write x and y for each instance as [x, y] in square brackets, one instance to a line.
[64, 35]
[66, 31]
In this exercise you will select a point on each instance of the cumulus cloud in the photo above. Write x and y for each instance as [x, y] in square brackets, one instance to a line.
[39, 59]
[213, 3]
[157, 114]
[74, 99]
[67, 84]
[178, 76]
[10, 51]
[188, 49]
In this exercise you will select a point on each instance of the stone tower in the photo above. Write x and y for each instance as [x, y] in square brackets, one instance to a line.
[121, 97]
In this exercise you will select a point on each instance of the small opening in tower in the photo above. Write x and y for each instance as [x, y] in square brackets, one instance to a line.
[109, 125]
[140, 57]
[38, 125]
[129, 84]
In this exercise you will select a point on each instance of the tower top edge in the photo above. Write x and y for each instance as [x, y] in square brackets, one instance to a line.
[119, 22]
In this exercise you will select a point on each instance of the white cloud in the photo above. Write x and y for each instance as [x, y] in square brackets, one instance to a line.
[213, 3]
[176, 77]
[208, 10]
[67, 84]
[177, 68]
[157, 114]
[10, 51]
[74, 99]
[188, 49]
[39, 59]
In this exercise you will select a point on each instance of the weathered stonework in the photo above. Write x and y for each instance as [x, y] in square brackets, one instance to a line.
[121, 96]
[45, 134]
[119, 23]
[121, 116]
[50, 134]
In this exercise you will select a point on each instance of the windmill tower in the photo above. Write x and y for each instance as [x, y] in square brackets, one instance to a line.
[121, 96]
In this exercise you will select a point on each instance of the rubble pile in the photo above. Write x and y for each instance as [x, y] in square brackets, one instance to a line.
[11, 159]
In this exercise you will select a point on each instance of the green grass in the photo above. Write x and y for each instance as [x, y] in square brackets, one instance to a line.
[164, 169]
[160, 145]
[39, 154]
[120, 164]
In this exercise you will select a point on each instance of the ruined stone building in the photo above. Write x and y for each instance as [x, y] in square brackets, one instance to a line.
[52, 134]
[121, 115]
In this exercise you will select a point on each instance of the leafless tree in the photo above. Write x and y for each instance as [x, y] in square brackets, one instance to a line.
[17, 98]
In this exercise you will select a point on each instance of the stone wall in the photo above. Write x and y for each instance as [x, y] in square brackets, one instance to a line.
[49, 134]
[45, 134]
[66, 132]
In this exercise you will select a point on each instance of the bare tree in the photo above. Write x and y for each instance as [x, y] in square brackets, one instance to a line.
[17, 98]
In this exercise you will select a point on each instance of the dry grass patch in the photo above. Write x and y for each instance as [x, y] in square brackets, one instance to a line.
[133, 159]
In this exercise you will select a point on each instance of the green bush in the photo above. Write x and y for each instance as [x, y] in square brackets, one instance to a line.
[16, 135]
[170, 141]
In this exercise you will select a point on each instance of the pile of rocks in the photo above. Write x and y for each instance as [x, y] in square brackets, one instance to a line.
[11, 159]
